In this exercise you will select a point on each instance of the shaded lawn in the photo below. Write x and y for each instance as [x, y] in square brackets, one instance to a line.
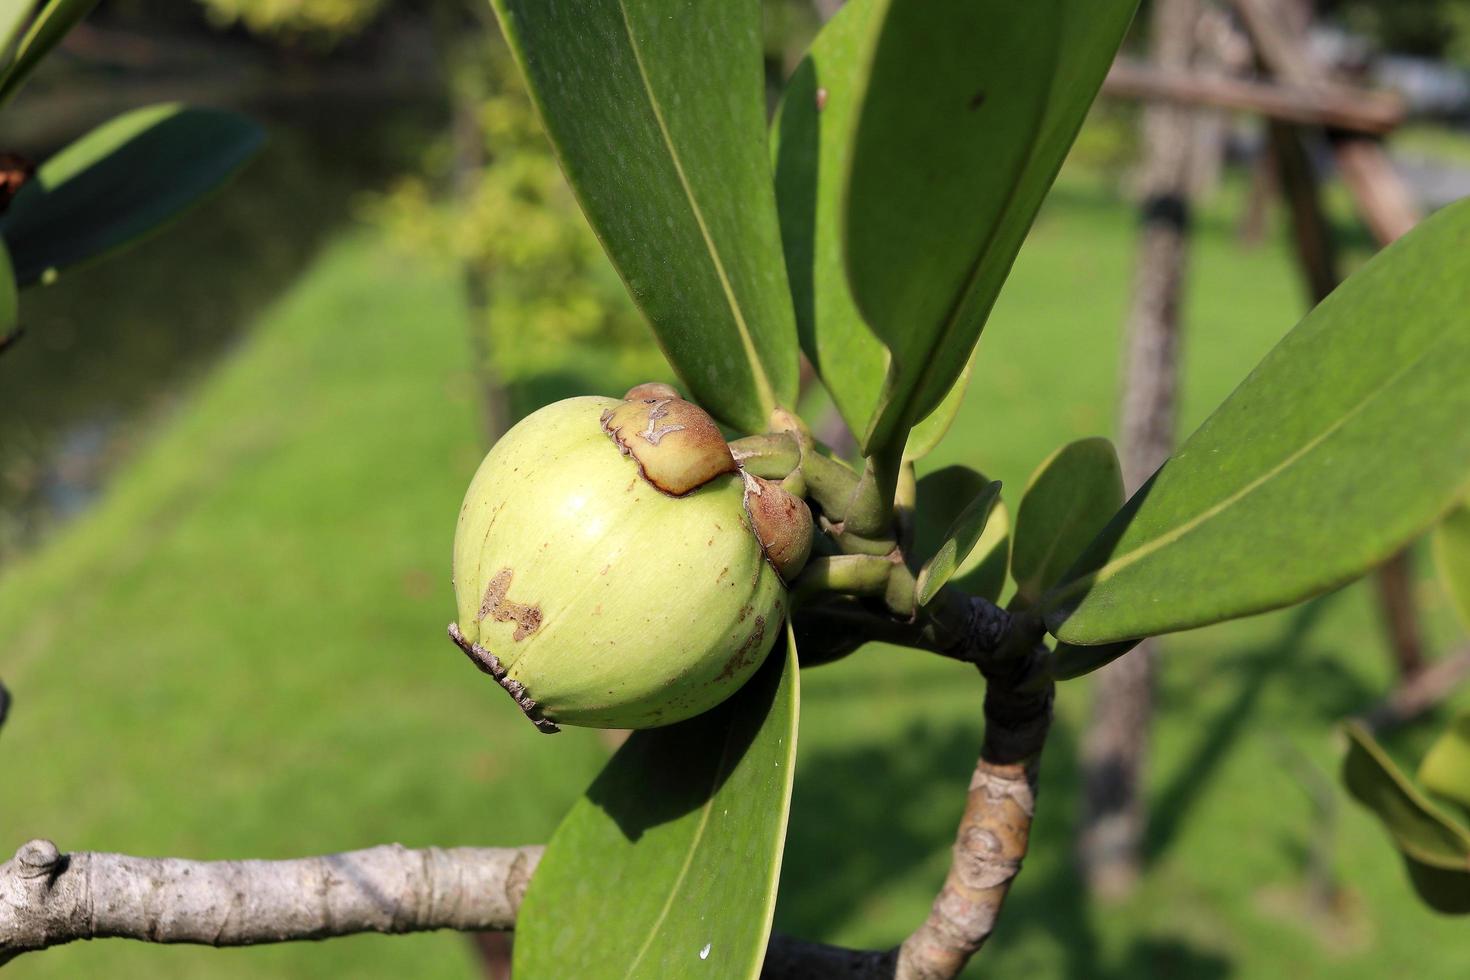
[240, 653]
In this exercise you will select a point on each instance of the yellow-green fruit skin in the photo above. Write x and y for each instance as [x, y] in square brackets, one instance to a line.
[622, 607]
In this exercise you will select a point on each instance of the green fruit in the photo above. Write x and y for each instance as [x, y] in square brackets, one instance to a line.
[595, 597]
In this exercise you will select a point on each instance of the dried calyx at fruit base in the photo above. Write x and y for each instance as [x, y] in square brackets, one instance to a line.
[615, 567]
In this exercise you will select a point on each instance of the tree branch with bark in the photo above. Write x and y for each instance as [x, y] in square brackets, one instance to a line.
[49, 897]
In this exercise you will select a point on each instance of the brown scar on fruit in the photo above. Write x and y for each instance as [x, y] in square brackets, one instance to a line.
[655, 433]
[743, 656]
[527, 618]
[677, 446]
[490, 664]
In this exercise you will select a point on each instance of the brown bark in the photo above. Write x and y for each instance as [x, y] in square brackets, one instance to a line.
[1420, 692]
[995, 829]
[1395, 581]
[469, 162]
[1115, 742]
[48, 898]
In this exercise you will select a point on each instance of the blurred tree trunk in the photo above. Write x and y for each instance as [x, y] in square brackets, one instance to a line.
[459, 32]
[462, 58]
[1115, 742]
[469, 163]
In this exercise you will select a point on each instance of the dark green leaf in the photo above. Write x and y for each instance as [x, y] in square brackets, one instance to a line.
[1070, 661]
[657, 112]
[667, 867]
[120, 181]
[1452, 557]
[1342, 446]
[812, 137]
[1445, 771]
[1071, 496]
[959, 541]
[966, 113]
[51, 25]
[1436, 850]
[942, 497]
[984, 572]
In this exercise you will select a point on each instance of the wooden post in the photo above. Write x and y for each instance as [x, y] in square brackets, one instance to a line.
[1115, 742]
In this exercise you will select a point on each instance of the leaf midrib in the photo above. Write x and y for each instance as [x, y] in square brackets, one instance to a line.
[699, 832]
[757, 370]
[951, 318]
[1113, 567]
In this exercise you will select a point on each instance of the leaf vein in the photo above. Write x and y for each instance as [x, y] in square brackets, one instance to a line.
[757, 370]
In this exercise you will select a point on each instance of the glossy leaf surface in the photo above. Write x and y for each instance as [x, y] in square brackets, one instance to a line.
[967, 111]
[942, 497]
[1071, 496]
[811, 142]
[657, 113]
[1343, 445]
[1071, 661]
[1435, 848]
[984, 572]
[959, 541]
[121, 181]
[667, 867]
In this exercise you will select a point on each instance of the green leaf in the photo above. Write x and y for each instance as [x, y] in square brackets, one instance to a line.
[1070, 661]
[120, 181]
[667, 867]
[13, 15]
[1445, 770]
[51, 25]
[811, 141]
[1342, 446]
[1451, 548]
[1070, 497]
[984, 572]
[656, 110]
[966, 113]
[942, 497]
[925, 437]
[1436, 849]
[961, 538]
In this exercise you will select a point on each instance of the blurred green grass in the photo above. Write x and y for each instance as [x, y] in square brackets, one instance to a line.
[240, 653]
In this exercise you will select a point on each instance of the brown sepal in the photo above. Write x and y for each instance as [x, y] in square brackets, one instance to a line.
[676, 444]
[782, 523]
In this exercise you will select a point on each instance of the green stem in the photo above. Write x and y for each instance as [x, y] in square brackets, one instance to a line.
[771, 456]
[843, 574]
